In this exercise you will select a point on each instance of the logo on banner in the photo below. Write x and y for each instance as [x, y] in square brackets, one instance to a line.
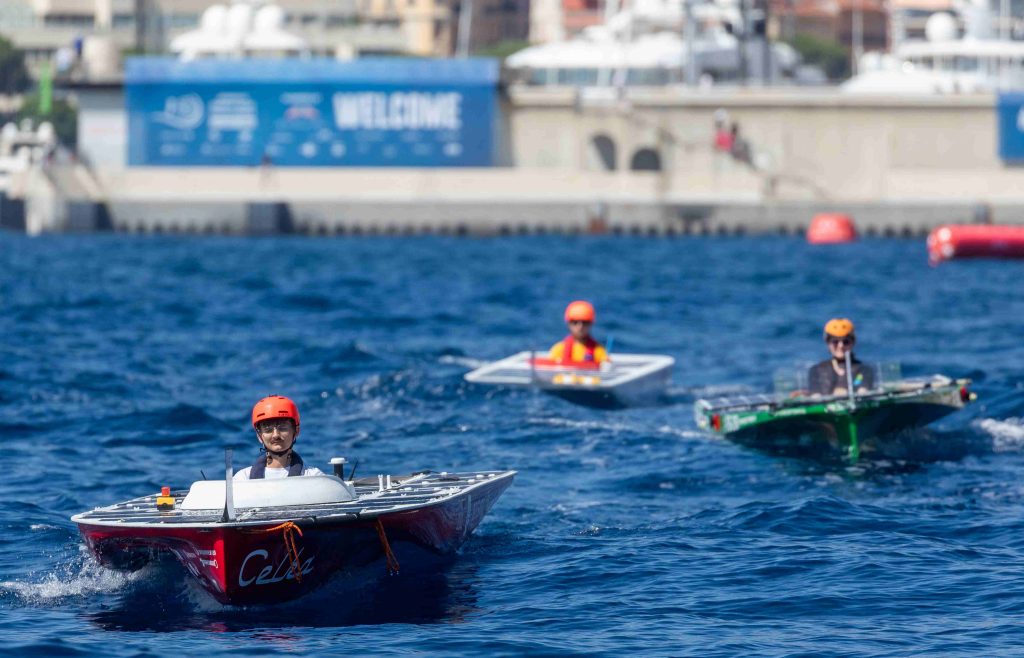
[233, 112]
[181, 112]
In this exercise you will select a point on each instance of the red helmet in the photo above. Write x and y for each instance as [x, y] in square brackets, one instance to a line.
[579, 310]
[275, 406]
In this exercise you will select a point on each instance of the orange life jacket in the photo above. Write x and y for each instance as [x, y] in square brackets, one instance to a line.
[589, 345]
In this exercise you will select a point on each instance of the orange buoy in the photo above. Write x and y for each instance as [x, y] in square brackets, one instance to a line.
[831, 228]
[975, 241]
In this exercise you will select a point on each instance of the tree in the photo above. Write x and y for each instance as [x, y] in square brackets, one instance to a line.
[14, 77]
[63, 116]
[829, 55]
[502, 49]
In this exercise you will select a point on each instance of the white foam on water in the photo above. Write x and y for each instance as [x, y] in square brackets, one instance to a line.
[675, 431]
[1008, 433]
[583, 424]
[464, 361]
[80, 577]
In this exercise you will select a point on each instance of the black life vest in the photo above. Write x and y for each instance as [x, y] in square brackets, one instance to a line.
[258, 471]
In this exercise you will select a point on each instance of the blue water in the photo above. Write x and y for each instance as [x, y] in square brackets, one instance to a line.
[129, 363]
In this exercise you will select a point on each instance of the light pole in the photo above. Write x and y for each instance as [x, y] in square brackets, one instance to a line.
[689, 36]
[465, 25]
[858, 35]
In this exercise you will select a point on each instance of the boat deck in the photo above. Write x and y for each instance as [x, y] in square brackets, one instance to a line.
[517, 370]
[373, 499]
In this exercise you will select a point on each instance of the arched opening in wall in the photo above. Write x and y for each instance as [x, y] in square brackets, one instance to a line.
[604, 152]
[645, 160]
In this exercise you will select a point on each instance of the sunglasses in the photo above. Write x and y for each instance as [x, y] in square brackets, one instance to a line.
[267, 428]
[579, 322]
[845, 342]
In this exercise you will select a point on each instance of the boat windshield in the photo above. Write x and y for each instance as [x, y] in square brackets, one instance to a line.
[793, 380]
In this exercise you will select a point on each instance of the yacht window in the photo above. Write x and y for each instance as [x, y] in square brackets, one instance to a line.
[965, 64]
[577, 77]
[646, 77]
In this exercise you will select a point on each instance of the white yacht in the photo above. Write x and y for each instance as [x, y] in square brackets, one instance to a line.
[657, 42]
[22, 147]
[945, 63]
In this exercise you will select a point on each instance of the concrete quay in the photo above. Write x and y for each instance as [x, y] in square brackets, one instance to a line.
[497, 201]
[898, 166]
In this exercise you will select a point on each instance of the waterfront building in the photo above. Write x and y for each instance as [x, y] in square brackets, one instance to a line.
[56, 29]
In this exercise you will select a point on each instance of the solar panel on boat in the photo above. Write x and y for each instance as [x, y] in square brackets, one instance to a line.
[406, 493]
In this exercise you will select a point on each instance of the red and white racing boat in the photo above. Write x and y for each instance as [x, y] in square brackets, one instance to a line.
[263, 541]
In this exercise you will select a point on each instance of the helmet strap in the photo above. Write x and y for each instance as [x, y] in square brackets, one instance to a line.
[275, 453]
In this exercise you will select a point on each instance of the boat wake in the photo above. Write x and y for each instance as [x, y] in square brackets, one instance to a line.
[464, 361]
[163, 601]
[1007, 434]
[80, 577]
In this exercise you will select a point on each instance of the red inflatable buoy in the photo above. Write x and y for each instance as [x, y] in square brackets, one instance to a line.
[831, 228]
[975, 241]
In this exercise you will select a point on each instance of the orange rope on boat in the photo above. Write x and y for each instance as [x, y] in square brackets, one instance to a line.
[288, 530]
[392, 562]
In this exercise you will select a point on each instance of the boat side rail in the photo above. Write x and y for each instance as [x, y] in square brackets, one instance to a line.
[773, 401]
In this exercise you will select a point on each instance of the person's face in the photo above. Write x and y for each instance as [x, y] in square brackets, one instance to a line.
[579, 329]
[277, 434]
[838, 347]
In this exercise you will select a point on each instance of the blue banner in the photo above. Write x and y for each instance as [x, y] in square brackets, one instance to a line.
[1011, 127]
[320, 112]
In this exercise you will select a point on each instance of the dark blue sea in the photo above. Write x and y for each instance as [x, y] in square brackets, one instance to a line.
[130, 362]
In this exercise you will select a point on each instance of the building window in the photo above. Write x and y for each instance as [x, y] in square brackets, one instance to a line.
[604, 148]
[645, 160]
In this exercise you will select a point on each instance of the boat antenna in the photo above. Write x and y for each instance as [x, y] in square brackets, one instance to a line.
[203, 474]
[229, 503]
[849, 379]
[352, 473]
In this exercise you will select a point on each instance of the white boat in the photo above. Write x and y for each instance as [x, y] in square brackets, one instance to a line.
[655, 43]
[626, 380]
[944, 63]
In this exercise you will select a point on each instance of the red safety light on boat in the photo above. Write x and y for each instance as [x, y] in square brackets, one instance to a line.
[716, 422]
[165, 501]
[831, 228]
[975, 241]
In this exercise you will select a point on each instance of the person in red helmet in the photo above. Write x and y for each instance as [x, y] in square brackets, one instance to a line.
[276, 421]
[829, 377]
[579, 346]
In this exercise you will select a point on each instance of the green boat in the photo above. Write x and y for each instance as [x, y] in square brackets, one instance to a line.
[849, 426]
